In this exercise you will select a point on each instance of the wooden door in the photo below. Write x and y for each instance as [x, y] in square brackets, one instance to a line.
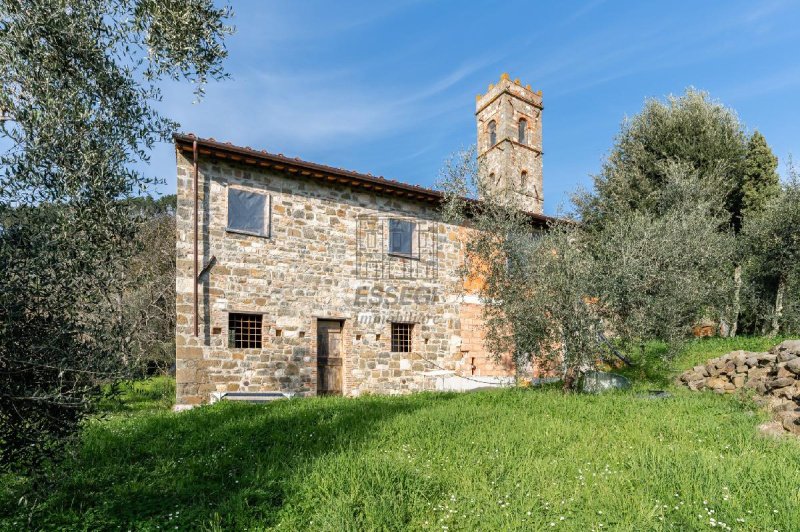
[329, 357]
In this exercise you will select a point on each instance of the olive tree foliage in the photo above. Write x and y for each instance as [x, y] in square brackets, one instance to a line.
[78, 85]
[534, 283]
[735, 170]
[149, 301]
[772, 237]
[691, 129]
[566, 297]
[661, 271]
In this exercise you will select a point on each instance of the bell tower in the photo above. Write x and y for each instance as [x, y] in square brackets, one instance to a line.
[509, 118]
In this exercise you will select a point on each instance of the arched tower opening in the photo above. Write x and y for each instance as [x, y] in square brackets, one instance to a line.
[510, 142]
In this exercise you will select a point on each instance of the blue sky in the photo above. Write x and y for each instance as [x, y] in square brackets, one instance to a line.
[389, 87]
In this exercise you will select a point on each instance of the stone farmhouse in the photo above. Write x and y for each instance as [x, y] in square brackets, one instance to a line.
[299, 278]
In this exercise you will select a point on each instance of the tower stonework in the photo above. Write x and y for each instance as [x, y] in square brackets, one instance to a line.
[509, 119]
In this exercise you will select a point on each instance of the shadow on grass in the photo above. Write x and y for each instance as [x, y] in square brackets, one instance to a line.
[228, 465]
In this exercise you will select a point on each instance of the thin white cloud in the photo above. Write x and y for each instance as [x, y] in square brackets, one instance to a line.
[787, 79]
[308, 108]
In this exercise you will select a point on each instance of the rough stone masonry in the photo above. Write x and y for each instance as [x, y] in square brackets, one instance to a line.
[773, 376]
[312, 279]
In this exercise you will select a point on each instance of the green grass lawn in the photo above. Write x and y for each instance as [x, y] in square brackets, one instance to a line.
[505, 459]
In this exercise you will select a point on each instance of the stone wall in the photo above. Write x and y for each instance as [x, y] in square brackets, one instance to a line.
[503, 163]
[773, 376]
[310, 268]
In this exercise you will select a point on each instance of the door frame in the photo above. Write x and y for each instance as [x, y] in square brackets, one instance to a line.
[343, 349]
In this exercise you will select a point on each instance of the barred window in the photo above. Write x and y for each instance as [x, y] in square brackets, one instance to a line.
[401, 337]
[244, 331]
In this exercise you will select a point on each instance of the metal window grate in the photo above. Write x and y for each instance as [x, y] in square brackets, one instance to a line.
[244, 331]
[401, 337]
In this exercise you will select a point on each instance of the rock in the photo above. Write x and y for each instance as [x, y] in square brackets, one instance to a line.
[751, 362]
[786, 392]
[716, 383]
[738, 358]
[791, 421]
[784, 356]
[713, 371]
[600, 381]
[779, 383]
[754, 382]
[765, 402]
[766, 358]
[692, 376]
[696, 385]
[782, 405]
[788, 346]
[773, 429]
[757, 373]
[793, 366]
[701, 370]
[783, 371]
[738, 381]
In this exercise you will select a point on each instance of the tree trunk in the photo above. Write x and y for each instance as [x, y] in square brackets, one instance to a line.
[776, 317]
[737, 283]
[570, 381]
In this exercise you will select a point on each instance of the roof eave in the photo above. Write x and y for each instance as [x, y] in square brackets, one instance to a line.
[228, 151]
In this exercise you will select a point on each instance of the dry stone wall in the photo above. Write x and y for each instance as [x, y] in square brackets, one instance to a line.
[774, 376]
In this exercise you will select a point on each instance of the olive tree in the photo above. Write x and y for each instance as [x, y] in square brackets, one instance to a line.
[773, 241]
[78, 84]
[552, 297]
[734, 169]
[149, 301]
[659, 272]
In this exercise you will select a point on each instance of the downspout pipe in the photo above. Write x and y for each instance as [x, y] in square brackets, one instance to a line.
[196, 227]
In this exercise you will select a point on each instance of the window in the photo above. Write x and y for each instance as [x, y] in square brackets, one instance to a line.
[401, 337]
[492, 133]
[401, 237]
[523, 129]
[244, 331]
[523, 179]
[248, 212]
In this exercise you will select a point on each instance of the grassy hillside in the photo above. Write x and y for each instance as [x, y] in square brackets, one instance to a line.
[505, 459]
